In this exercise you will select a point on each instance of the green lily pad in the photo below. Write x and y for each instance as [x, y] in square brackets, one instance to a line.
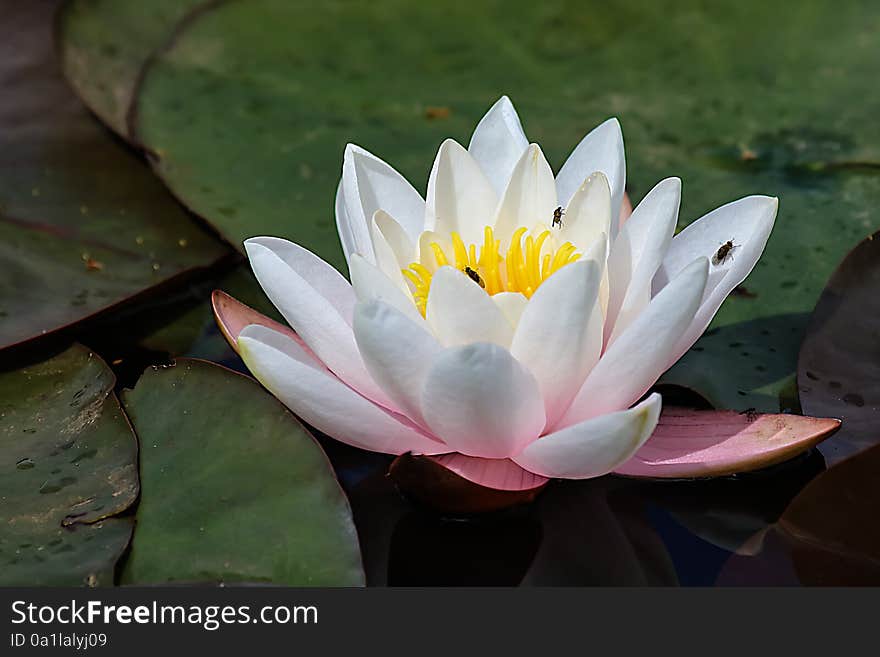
[296, 82]
[83, 223]
[69, 463]
[105, 44]
[234, 489]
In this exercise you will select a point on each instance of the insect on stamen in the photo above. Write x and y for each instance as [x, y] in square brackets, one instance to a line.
[475, 277]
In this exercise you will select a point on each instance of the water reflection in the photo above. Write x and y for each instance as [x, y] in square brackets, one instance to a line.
[610, 531]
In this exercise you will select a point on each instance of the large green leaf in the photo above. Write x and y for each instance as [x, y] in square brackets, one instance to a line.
[69, 463]
[736, 99]
[233, 487]
[105, 44]
[83, 223]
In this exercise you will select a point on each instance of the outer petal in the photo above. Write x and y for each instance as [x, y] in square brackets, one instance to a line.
[529, 197]
[369, 282]
[320, 275]
[595, 447]
[588, 214]
[460, 312]
[498, 142]
[482, 401]
[688, 443]
[555, 338]
[316, 319]
[325, 402]
[460, 197]
[747, 222]
[369, 184]
[398, 353]
[638, 252]
[641, 354]
[601, 150]
[499, 474]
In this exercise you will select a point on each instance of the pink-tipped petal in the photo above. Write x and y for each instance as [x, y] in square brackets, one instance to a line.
[499, 474]
[232, 316]
[453, 485]
[690, 444]
[626, 210]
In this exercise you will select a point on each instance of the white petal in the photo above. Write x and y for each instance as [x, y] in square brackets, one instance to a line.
[555, 338]
[601, 150]
[318, 322]
[637, 253]
[482, 402]
[369, 184]
[460, 312]
[530, 196]
[320, 275]
[594, 447]
[324, 401]
[511, 304]
[425, 255]
[369, 283]
[398, 353]
[641, 354]
[498, 142]
[460, 197]
[344, 225]
[395, 241]
[747, 223]
[588, 214]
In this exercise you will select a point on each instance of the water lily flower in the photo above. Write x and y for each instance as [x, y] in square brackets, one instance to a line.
[511, 322]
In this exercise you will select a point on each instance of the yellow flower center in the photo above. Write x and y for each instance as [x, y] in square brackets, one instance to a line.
[523, 268]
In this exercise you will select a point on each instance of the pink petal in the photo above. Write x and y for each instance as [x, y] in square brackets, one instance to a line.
[626, 209]
[500, 474]
[690, 444]
[445, 483]
[232, 316]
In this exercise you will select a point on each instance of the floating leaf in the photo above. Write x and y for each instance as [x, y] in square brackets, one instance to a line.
[69, 463]
[839, 364]
[269, 162]
[105, 44]
[234, 489]
[831, 527]
[693, 444]
[83, 223]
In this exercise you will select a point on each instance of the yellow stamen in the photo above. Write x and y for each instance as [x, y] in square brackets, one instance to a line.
[524, 265]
